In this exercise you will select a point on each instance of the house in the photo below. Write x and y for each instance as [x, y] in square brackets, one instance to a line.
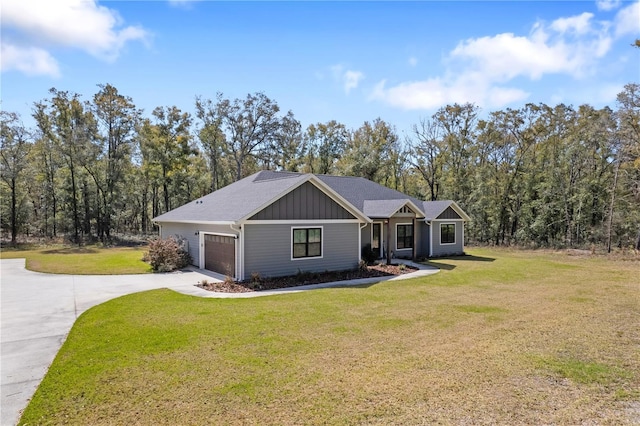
[281, 223]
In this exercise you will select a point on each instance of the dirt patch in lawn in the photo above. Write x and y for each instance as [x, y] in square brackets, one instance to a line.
[257, 283]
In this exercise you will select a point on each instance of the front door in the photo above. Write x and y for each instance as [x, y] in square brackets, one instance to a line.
[376, 239]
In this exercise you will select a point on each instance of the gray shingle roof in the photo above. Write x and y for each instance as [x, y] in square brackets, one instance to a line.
[244, 197]
[236, 201]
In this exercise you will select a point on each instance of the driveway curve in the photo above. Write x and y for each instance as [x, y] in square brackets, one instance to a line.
[38, 310]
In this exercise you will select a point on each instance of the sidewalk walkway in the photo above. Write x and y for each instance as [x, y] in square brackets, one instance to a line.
[38, 310]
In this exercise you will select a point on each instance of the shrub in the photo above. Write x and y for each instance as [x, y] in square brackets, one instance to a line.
[166, 255]
[368, 255]
[363, 266]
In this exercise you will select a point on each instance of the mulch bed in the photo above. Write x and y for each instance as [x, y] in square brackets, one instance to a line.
[306, 278]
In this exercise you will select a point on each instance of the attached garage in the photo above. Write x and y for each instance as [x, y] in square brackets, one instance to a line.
[220, 254]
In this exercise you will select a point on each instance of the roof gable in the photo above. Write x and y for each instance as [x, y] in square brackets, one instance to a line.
[305, 202]
[387, 208]
[345, 197]
[434, 209]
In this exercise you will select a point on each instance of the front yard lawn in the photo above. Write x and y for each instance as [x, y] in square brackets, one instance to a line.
[86, 260]
[501, 337]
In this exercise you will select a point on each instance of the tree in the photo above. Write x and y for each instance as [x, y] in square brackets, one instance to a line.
[368, 151]
[166, 151]
[71, 128]
[15, 145]
[250, 125]
[213, 141]
[287, 148]
[324, 145]
[627, 168]
[117, 120]
[458, 125]
[428, 148]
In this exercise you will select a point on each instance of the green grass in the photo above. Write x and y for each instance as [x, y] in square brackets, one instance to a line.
[87, 260]
[504, 337]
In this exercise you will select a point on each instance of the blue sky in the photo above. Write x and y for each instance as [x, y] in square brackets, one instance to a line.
[347, 61]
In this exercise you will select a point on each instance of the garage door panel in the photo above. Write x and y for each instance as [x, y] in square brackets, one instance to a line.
[220, 254]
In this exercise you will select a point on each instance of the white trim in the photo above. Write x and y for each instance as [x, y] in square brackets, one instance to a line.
[440, 234]
[360, 228]
[300, 221]
[242, 232]
[414, 231]
[430, 238]
[321, 242]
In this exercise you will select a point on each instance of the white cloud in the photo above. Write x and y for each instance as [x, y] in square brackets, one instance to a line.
[352, 79]
[349, 79]
[81, 24]
[607, 4]
[480, 70]
[436, 92]
[627, 20]
[581, 24]
[31, 61]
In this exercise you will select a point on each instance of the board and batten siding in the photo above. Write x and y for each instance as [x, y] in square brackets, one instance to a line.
[446, 249]
[306, 202]
[191, 231]
[268, 249]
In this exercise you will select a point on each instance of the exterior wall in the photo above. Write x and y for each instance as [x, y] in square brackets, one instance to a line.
[306, 202]
[447, 249]
[191, 232]
[423, 239]
[267, 249]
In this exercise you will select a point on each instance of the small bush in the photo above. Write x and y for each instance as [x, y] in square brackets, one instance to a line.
[363, 266]
[256, 281]
[167, 255]
[368, 255]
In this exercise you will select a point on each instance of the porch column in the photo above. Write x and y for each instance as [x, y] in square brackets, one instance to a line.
[415, 239]
[388, 241]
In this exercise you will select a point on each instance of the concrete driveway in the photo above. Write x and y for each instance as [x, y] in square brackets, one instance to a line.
[38, 311]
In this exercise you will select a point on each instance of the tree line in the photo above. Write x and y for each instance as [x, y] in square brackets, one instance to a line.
[539, 175]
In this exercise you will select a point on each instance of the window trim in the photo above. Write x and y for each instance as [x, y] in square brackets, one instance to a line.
[454, 234]
[321, 228]
[413, 235]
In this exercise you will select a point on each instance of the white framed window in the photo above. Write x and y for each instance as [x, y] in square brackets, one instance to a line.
[447, 233]
[306, 242]
[404, 236]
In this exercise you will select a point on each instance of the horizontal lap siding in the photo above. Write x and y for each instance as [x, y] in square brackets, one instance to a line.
[447, 249]
[188, 231]
[267, 249]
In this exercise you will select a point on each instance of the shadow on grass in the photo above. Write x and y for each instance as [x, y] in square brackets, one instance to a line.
[71, 250]
[440, 262]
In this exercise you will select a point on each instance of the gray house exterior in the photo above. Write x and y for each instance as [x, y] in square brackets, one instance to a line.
[281, 223]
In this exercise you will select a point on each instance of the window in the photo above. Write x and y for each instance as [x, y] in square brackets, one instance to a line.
[447, 233]
[404, 237]
[307, 243]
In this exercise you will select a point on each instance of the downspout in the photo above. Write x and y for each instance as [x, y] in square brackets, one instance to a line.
[239, 253]
[430, 237]
[360, 242]
[415, 239]
[389, 241]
